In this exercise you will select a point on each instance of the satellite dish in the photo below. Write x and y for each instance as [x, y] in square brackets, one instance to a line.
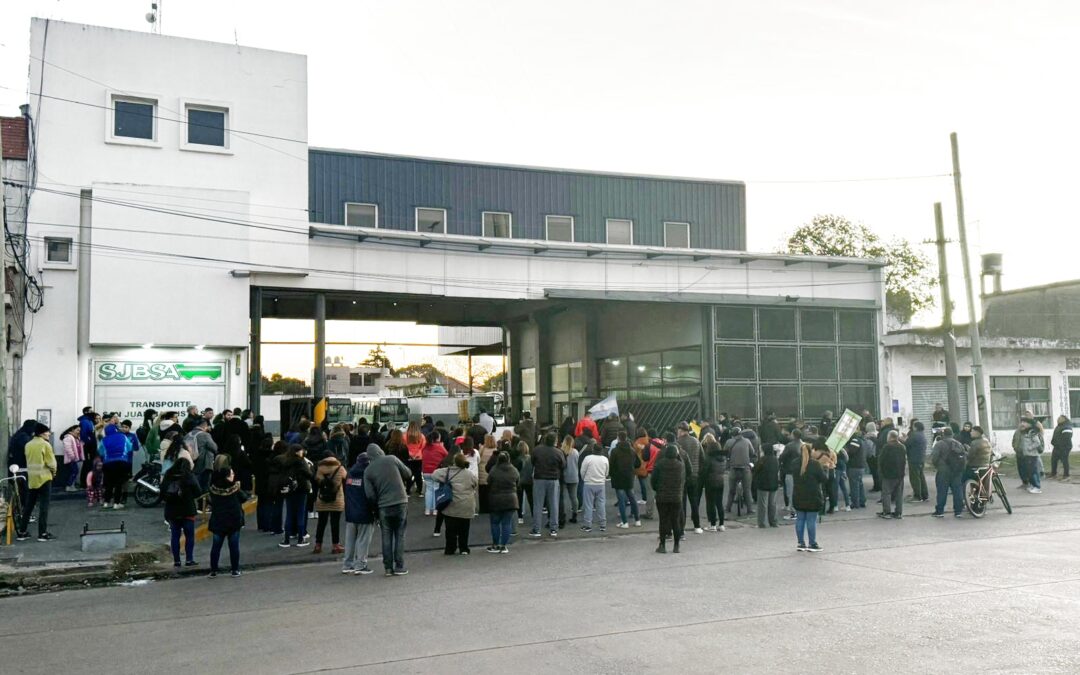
[151, 17]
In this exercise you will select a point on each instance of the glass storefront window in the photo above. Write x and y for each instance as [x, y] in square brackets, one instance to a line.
[734, 323]
[776, 324]
[778, 363]
[856, 327]
[735, 362]
[737, 399]
[645, 370]
[817, 325]
[818, 363]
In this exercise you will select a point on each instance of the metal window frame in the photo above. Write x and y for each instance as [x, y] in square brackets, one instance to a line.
[152, 100]
[510, 224]
[228, 122]
[573, 227]
[416, 218]
[58, 264]
[345, 213]
[607, 230]
[677, 222]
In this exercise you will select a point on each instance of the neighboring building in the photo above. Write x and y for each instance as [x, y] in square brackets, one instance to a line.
[191, 207]
[364, 381]
[15, 139]
[1031, 361]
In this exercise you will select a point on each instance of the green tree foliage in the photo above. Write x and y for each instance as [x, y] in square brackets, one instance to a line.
[378, 358]
[429, 372]
[909, 279]
[277, 384]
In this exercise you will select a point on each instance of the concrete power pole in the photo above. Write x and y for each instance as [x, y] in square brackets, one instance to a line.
[3, 331]
[952, 380]
[973, 319]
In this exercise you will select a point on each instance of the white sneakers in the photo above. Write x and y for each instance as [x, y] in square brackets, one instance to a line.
[720, 528]
[1035, 491]
[637, 523]
[623, 526]
[698, 530]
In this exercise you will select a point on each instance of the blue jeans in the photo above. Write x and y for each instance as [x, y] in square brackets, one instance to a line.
[944, 482]
[502, 524]
[806, 520]
[73, 473]
[1034, 478]
[623, 496]
[595, 502]
[187, 527]
[789, 491]
[429, 493]
[858, 489]
[296, 515]
[842, 483]
[545, 491]
[643, 485]
[234, 551]
[392, 529]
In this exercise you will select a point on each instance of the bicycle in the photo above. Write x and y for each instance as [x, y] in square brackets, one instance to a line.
[979, 491]
[11, 506]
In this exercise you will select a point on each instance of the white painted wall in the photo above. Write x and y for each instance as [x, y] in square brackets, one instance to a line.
[904, 362]
[145, 283]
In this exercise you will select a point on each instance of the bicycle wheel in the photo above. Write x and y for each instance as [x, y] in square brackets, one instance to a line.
[976, 506]
[999, 488]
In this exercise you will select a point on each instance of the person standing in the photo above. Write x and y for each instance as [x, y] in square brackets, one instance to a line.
[949, 460]
[1032, 445]
[73, 457]
[1062, 443]
[201, 444]
[487, 421]
[623, 463]
[434, 454]
[179, 489]
[595, 470]
[808, 500]
[609, 431]
[41, 469]
[570, 478]
[116, 456]
[526, 429]
[915, 446]
[856, 468]
[790, 465]
[940, 418]
[329, 502]
[891, 464]
[766, 481]
[502, 501]
[740, 454]
[695, 459]
[669, 478]
[293, 472]
[226, 518]
[459, 513]
[414, 446]
[384, 485]
[713, 476]
[548, 463]
[487, 457]
[359, 519]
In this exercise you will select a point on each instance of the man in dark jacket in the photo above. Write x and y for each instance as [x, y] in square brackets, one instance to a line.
[766, 480]
[694, 457]
[856, 468]
[790, 464]
[1062, 443]
[915, 446]
[891, 461]
[384, 484]
[669, 477]
[770, 431]
[17, 453]
[949, 459]
[548, 465]
[526, 430]
[193, 416]
[609, 431]
[359, 519]
[740, 452]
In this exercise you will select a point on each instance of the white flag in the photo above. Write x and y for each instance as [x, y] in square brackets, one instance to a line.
[605, 408]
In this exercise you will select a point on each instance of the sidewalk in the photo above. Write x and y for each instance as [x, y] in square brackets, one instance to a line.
[148, 537]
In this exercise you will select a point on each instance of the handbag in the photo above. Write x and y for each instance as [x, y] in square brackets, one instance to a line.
[444, 494]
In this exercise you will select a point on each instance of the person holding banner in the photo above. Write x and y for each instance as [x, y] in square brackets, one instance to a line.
[808, 501]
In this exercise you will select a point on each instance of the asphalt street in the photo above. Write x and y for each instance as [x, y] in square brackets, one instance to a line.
[919, 595]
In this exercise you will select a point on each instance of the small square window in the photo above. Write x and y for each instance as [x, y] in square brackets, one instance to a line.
[134, 118]
[559, 228]
[206, 126]
[431, 220]
[361, 215]
[58, 250]
[677, 235]
[496, 224]
[620, 232]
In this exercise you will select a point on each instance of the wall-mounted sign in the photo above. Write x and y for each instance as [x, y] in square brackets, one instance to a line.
[158, 371]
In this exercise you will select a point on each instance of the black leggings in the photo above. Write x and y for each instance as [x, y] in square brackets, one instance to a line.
[1059, 455]
[335, 526]
[671, 520]
[417, 466]
[457, 535]
[524, 492]
[714, 504]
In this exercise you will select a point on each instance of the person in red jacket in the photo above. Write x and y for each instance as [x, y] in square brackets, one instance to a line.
[587, 422]
[433, 455]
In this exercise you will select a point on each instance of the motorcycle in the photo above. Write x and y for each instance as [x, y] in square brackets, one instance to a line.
[148, 485]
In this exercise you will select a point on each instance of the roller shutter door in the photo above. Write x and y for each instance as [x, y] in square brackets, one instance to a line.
[926, 391]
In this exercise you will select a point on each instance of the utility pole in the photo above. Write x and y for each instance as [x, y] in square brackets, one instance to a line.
[3, 331]
[973, 320]
[952, 380]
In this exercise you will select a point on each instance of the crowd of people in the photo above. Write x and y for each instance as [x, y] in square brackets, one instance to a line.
[554, 476]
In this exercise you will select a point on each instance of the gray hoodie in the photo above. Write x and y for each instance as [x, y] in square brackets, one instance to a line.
[385, 478]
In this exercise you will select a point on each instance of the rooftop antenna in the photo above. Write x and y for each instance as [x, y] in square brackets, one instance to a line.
[153, 17]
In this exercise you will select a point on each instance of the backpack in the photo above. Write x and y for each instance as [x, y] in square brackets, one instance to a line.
[444, 494]
[174, 491]
[957, 458]
[328, 489]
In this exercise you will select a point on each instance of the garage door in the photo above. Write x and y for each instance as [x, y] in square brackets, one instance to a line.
[926, 391]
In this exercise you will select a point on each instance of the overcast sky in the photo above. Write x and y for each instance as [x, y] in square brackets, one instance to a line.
[765, 91]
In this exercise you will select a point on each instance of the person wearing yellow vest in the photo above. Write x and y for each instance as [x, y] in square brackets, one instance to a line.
[41, 469]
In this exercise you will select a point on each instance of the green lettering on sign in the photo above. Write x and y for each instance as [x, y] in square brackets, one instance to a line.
[126, 371]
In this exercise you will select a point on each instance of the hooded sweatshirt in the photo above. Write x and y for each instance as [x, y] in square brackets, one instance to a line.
[17, 444]
[385, 478]
[116, 447]
[357, 508]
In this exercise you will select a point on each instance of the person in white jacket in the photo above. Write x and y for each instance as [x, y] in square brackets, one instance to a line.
[594, 477]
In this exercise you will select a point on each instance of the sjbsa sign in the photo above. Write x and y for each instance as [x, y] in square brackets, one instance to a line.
[150, 372]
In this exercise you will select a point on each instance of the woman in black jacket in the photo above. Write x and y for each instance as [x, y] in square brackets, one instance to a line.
[623, 461]
[180, 489]
[715, 475]
[226, 518]
[293, 481]
[1062, 443]
[807, 499]
[502, 501]
[669, 478]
